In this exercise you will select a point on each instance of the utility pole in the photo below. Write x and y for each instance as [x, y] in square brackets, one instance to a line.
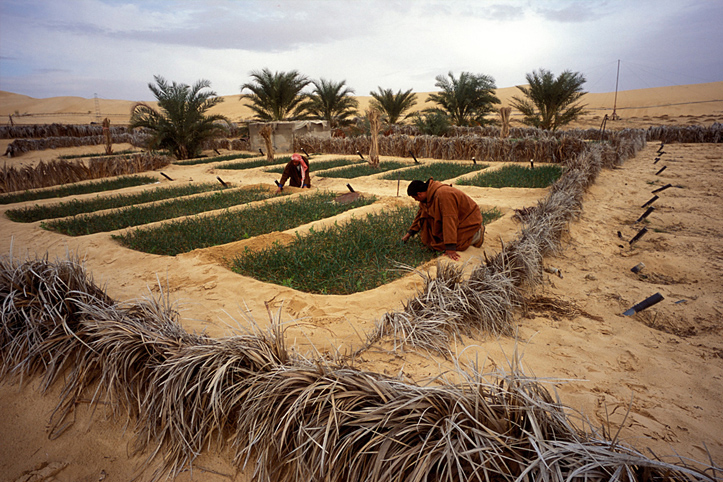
[97, 108]
[615, 103]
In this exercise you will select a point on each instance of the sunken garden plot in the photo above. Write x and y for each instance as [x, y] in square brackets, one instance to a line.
[358, 255]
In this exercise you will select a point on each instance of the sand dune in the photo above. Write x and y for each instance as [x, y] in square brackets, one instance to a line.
[702, 101]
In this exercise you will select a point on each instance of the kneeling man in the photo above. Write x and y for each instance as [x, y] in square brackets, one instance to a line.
[448, 220]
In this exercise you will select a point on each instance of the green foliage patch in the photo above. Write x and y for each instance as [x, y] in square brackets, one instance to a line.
[74, 207]
[202, 232]
[321, 165]
[252, 164]
[439, 171]
[98, 154]
[362, 169]
[76, 189]
[150, 213]
[358, 255]
[208, 160]
[513, 175]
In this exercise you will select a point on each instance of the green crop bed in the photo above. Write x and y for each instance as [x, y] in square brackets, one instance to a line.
[362, 169]
[515, 176]
[74, 206]
[137, 215]
[77, 188]
[439, 171]
[204, 231]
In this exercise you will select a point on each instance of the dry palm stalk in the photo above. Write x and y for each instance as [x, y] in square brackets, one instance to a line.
[266, 132]
[505, 113]
[107, 137]
[374, 126]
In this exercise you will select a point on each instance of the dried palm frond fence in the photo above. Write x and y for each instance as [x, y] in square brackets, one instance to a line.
[667, 134]
[61, 171]
[285, 418]
[20, 146]
[687, 134]
[41, 131]
[449, 305]
[486, 149]
[242, 144]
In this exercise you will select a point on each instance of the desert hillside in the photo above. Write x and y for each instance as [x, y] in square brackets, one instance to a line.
[684, 104]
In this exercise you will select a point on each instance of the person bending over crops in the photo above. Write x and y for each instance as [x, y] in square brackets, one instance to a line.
[448, 220]
[296, 172]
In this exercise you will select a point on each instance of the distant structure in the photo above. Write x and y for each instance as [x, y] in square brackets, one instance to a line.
[283, 133]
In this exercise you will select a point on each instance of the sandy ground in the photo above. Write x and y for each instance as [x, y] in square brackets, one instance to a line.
[664, 365]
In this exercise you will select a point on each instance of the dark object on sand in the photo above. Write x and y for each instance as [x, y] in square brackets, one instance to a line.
[646, 303]
[637, 268]
[645, 214]
[638, 236]
[663, 188]
[652, 200]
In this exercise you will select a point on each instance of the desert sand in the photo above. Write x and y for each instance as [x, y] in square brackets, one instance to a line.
[664, 365]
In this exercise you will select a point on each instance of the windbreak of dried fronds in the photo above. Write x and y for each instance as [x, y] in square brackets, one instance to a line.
[485, 149]
[41, 131]
[20, 146]
[449, 305]
[61, 171]
[686, 134]
[286, 418]
[241, 144]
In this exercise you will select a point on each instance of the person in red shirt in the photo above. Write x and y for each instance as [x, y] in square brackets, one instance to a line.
[448, 220]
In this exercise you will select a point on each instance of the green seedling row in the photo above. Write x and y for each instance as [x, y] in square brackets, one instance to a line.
[74, 207]
[208, 160]
[358, 255]
[439, 171]
[321, 165]
[515, 176]
[363, 169]
[98, 154]
[201, 232]
[137, 215]
[77, 189]
[253, 164]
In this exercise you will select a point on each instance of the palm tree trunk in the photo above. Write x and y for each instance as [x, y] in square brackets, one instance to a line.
[265, 132]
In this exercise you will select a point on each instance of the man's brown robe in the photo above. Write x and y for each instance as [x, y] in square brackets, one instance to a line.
[448, 220]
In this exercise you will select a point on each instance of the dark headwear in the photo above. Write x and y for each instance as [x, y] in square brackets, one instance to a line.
[415, 187]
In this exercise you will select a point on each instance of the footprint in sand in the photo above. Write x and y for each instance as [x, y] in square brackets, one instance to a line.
[628, 361]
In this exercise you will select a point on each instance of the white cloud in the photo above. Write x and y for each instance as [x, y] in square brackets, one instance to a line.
[114, 47]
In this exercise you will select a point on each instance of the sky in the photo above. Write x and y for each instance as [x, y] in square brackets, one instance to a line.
[113, 48]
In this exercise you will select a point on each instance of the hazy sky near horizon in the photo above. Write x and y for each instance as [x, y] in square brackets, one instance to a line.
[113, 48]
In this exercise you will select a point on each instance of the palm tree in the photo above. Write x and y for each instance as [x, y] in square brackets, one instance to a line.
[393, 105]
[332, 101]
[179, 124]
[465, 100]
[276, 96]
[550, 102]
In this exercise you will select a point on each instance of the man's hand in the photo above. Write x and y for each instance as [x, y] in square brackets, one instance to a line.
[406, 237]
[278, 191]
[452, 254]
